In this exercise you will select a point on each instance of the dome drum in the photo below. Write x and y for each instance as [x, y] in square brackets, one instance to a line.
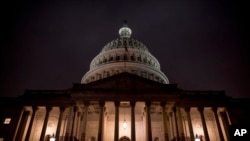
[118, 55]
[130, 67]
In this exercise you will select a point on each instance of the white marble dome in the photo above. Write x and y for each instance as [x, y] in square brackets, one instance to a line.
[125, 54]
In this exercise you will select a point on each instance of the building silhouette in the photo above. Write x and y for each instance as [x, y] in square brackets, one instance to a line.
[123, 97]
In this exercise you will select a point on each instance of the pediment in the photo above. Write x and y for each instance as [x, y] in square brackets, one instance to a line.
[127, 81]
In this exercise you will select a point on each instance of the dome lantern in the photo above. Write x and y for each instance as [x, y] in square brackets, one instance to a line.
[125, 31]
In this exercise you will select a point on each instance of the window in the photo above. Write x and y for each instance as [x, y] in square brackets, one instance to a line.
[7, 121]
[132, 58]
[125, 57]
[110, 58]
[117, 58]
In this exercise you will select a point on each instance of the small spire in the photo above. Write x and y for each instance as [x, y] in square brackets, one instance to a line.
[125, 23]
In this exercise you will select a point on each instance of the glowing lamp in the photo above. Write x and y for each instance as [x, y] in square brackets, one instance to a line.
[52, 138]
[124, 124]
[197, 138]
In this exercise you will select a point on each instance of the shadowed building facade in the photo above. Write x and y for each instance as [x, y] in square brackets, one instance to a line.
[123, 97]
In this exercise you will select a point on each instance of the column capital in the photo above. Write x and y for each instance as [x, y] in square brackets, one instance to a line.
[132, 103]
[101, 103]
[117, 103]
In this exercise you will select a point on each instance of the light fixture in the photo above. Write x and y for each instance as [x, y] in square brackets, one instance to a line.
[124, 124]
[197, 138]
[52, 138]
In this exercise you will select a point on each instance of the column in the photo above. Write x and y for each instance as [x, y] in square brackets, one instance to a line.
[101, 121]
[86, 108]
[168, 126]
[171, 126]
[191, 131]
[58, 129]
[201, 111]
[18, 124]
[132, 104]
[72, 134]
[228, 115]
[34, 109]
[225, 123]
[149, 121]
[48, 109]
[77, 127]
[214, 109]
[21, 130]
[117, 104]
[164, 118]
[79, 133]
[176, 124]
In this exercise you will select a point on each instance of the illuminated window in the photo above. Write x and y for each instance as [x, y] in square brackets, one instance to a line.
[7, 121]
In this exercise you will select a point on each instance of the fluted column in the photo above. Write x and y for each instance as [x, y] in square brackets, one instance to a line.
[201, 111]
[58, 129]
[227, 112]
[171, 126]
[21, 131]
[86, 108]
[148, 104]
[168, 126]
[101, 121]
[34, 109]
[176, 124]
[18, 124]
[132, 104]
[73, 124]
[225, 123]
[191, 131]
[164, 118]
[117, 104]
[214, 109]
[78, 123]
[48, 109]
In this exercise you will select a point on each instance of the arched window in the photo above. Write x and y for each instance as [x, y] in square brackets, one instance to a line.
[125, 57]
[132, 58]
[139, 58]
[111, 58]
[117, 58]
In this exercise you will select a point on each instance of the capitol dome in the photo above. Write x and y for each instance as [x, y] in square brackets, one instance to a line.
[125, 54]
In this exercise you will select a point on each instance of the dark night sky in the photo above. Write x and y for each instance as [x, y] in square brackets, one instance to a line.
[200, 44]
